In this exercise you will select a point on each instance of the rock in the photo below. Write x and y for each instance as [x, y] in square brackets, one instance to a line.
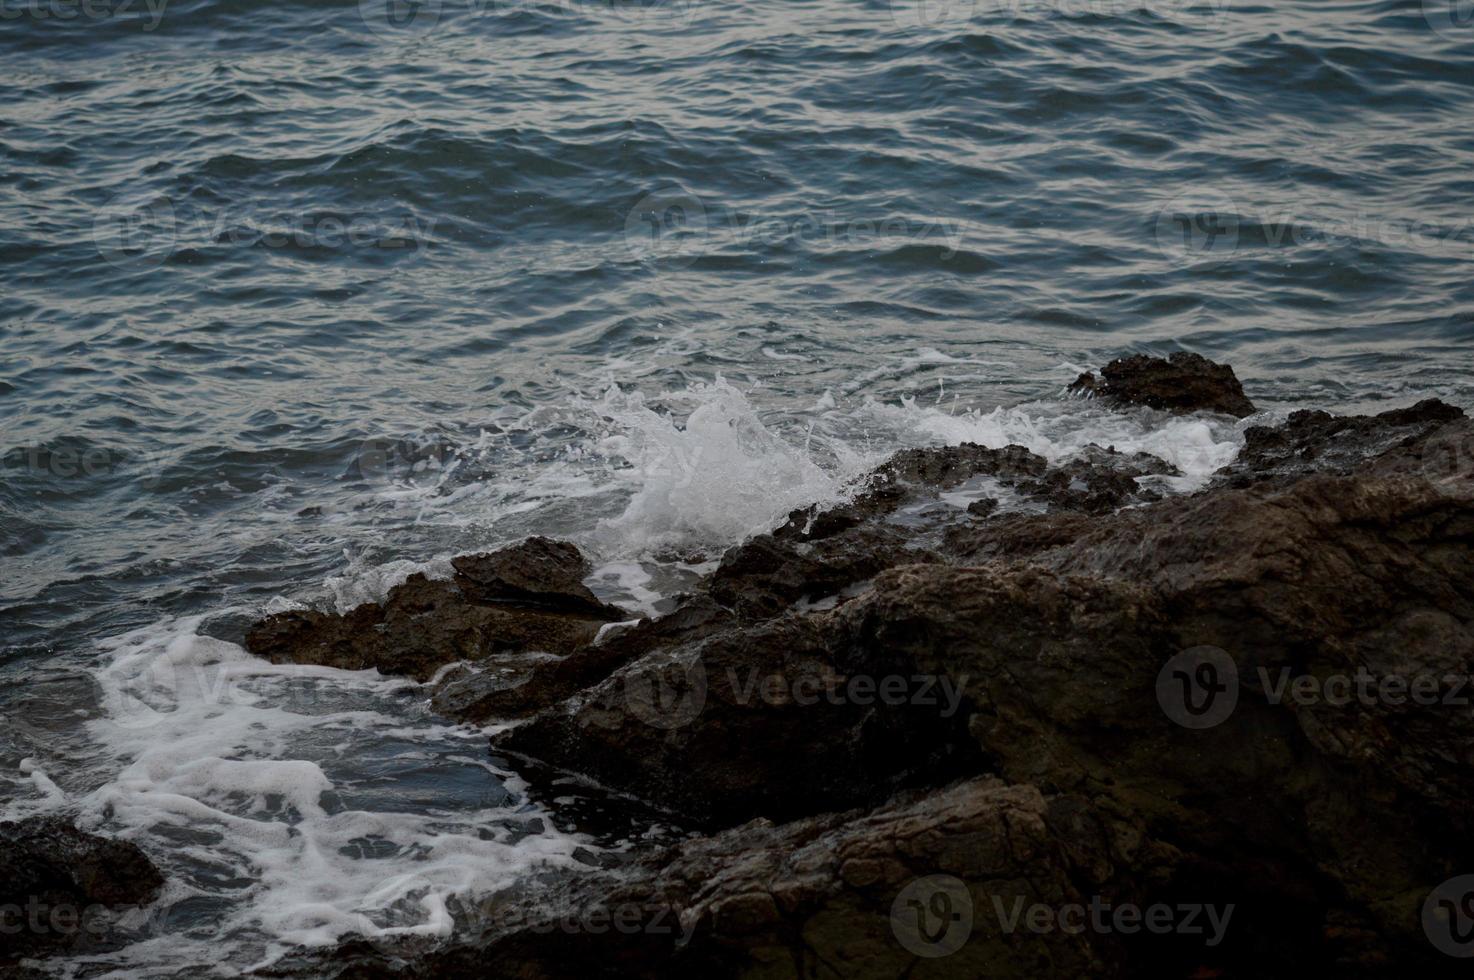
[1318, 442]
[983, 507]
[538, 572]
[425, 624]
[1061, 730]
[1098, 481]
[1056, 646]
[905, 476]
[515, 687]
[831, 896]
[57, 883]
[766, 574]
[1370, 574]
[1181, 383]
[751, 720]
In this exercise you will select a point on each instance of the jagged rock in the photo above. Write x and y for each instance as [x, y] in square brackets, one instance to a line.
[1181, 383]
[907, 474]
[833, 896]
[766, 574]
[1318, 442]
[1057, 653]
[425, 624]
[518, 686]
[55, 881]
[1098, 481]
[983, 507]
[537, 572]
[752, 720]
[1334, 548]
[1334, 576]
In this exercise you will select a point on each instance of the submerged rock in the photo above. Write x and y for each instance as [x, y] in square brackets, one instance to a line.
[57, 885]
[1180, 383]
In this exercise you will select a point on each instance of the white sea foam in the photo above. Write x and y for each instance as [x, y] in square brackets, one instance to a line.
[304, 798]
[712, 478]
[636, 472]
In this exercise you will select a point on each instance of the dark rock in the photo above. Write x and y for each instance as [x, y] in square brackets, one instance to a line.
[982, 508]
[537, 572]
[907, 474]
[1318, 442]
[1046, 759]
[820, 897]
[752, 720]
[1056, 646]
[766, 574]
[1368, 574]
[515, 687]
[1181, 384]
[1097, 481]
[55, 880]
[425, 624]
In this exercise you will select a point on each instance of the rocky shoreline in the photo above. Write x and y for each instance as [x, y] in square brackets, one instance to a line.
[988, 700]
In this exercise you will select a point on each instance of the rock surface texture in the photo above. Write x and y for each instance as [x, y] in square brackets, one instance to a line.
[935, 747]
[58, 886]
[1180, 383]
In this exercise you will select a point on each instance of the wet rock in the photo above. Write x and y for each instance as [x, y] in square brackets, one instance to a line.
[1056, 646]
[907, 475]
[767, 574]
[1181, 383]
[537, 572]
[57, 884]
[424, 624]
[769, 719]
[1062, 749]
[1098, 481]
[830, 896]
[983, 507]
[1335, 577]
[1318, 442]
[508, 689]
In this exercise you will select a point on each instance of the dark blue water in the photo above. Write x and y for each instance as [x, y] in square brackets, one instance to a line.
[298, 297]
